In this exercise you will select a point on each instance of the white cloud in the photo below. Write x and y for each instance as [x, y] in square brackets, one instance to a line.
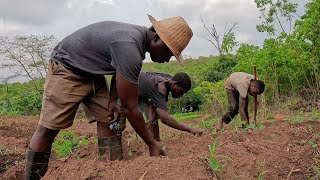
[62, 17]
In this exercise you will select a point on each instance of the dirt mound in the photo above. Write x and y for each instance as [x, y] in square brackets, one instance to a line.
[272, 152]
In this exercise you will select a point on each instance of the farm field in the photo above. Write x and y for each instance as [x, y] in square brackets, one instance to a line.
[283, 146]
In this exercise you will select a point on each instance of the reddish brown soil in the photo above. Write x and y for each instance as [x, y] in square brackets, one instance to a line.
[278, 146]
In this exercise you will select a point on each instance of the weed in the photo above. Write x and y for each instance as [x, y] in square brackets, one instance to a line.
[313, 143]
[130, 154]
[314, 116]
[261, 164]
[3, 149]
[263, 171]
[313, 171]
[67, 142]
[250, 126]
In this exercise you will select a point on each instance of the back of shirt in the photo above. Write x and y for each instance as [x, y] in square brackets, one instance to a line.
[148, 88]
[104, 47]
[239, 81]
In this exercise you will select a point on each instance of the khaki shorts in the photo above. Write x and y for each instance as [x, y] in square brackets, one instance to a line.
[64, 91]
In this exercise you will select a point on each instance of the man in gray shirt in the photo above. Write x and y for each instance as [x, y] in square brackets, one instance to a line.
[154, 89]
[76, 75]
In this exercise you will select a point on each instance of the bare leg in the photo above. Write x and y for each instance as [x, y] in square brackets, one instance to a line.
[42, 139]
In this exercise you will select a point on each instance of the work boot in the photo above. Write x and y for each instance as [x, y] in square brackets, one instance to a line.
[110, 148]
[36, 164]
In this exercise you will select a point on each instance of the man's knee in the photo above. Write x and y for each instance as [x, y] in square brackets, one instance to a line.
[45, 132]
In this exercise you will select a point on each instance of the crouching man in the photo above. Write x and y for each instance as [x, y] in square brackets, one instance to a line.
[238, 86]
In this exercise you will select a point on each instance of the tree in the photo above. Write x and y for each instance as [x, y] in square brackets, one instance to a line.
[274, 12]
[228, 40]
[28, 53]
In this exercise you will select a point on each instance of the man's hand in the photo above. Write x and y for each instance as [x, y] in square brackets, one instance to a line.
[156, 150]
[114, 111]
[196, 131]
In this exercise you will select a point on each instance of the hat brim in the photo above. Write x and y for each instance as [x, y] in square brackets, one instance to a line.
[165, 39]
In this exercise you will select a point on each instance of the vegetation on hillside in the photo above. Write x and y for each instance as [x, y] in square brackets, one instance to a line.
[288, 62]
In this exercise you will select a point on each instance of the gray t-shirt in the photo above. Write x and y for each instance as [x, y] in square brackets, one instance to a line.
[148, 88]
[103, 48]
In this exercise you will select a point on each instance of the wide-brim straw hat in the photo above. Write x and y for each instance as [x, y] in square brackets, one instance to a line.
[174, 32]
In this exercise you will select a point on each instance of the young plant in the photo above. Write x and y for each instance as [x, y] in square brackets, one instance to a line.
[263, 171]
[214, 164]
[67, 142]
[130, 153]
[3, 149]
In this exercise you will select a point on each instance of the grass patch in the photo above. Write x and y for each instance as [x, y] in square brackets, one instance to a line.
[186, 116]
[67, 142]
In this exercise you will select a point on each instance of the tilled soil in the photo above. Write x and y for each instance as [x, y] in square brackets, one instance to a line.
[277, 149]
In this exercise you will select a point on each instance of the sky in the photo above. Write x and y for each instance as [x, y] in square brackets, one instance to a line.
[62, 17]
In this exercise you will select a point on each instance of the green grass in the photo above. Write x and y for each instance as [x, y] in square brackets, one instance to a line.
[186, 116]
[67, 142]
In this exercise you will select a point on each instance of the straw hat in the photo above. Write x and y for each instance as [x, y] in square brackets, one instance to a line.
[174, 32]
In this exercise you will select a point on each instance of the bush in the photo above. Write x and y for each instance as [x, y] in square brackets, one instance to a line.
[221, 69]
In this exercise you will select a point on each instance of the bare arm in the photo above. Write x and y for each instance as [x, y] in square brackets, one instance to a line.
[128, 94]
[113, 107]
[243, 110]
[171, 122]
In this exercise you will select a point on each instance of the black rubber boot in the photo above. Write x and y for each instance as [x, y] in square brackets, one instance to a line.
[36, 164]
[110, 148]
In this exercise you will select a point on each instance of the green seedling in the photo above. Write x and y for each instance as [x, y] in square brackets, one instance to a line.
[251, 126]
[67, 142]
[263, 171]
[3, 149]
[299, 119]
[213, 162]
[313, 143]
[261, 164]
[130, 153]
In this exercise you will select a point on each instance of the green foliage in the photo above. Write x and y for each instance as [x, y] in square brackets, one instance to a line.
[272, 12]
[20, 99]
[221, 69]
[67, 142]
[228, 43]
[186, 116]
[213, 162]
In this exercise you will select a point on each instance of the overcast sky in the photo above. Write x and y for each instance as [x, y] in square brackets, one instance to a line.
[62, 17]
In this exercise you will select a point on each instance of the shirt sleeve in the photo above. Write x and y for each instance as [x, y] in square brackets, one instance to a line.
[127, 60]
[159, 100]
[243, 89]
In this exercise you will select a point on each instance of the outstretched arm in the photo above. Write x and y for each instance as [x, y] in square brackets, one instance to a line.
[171, 122]
[243, 109]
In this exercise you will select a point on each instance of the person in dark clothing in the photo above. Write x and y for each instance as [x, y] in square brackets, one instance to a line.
[76, 75]
[154, 89]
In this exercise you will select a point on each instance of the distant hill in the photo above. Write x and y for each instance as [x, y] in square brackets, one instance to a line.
[195, 68]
